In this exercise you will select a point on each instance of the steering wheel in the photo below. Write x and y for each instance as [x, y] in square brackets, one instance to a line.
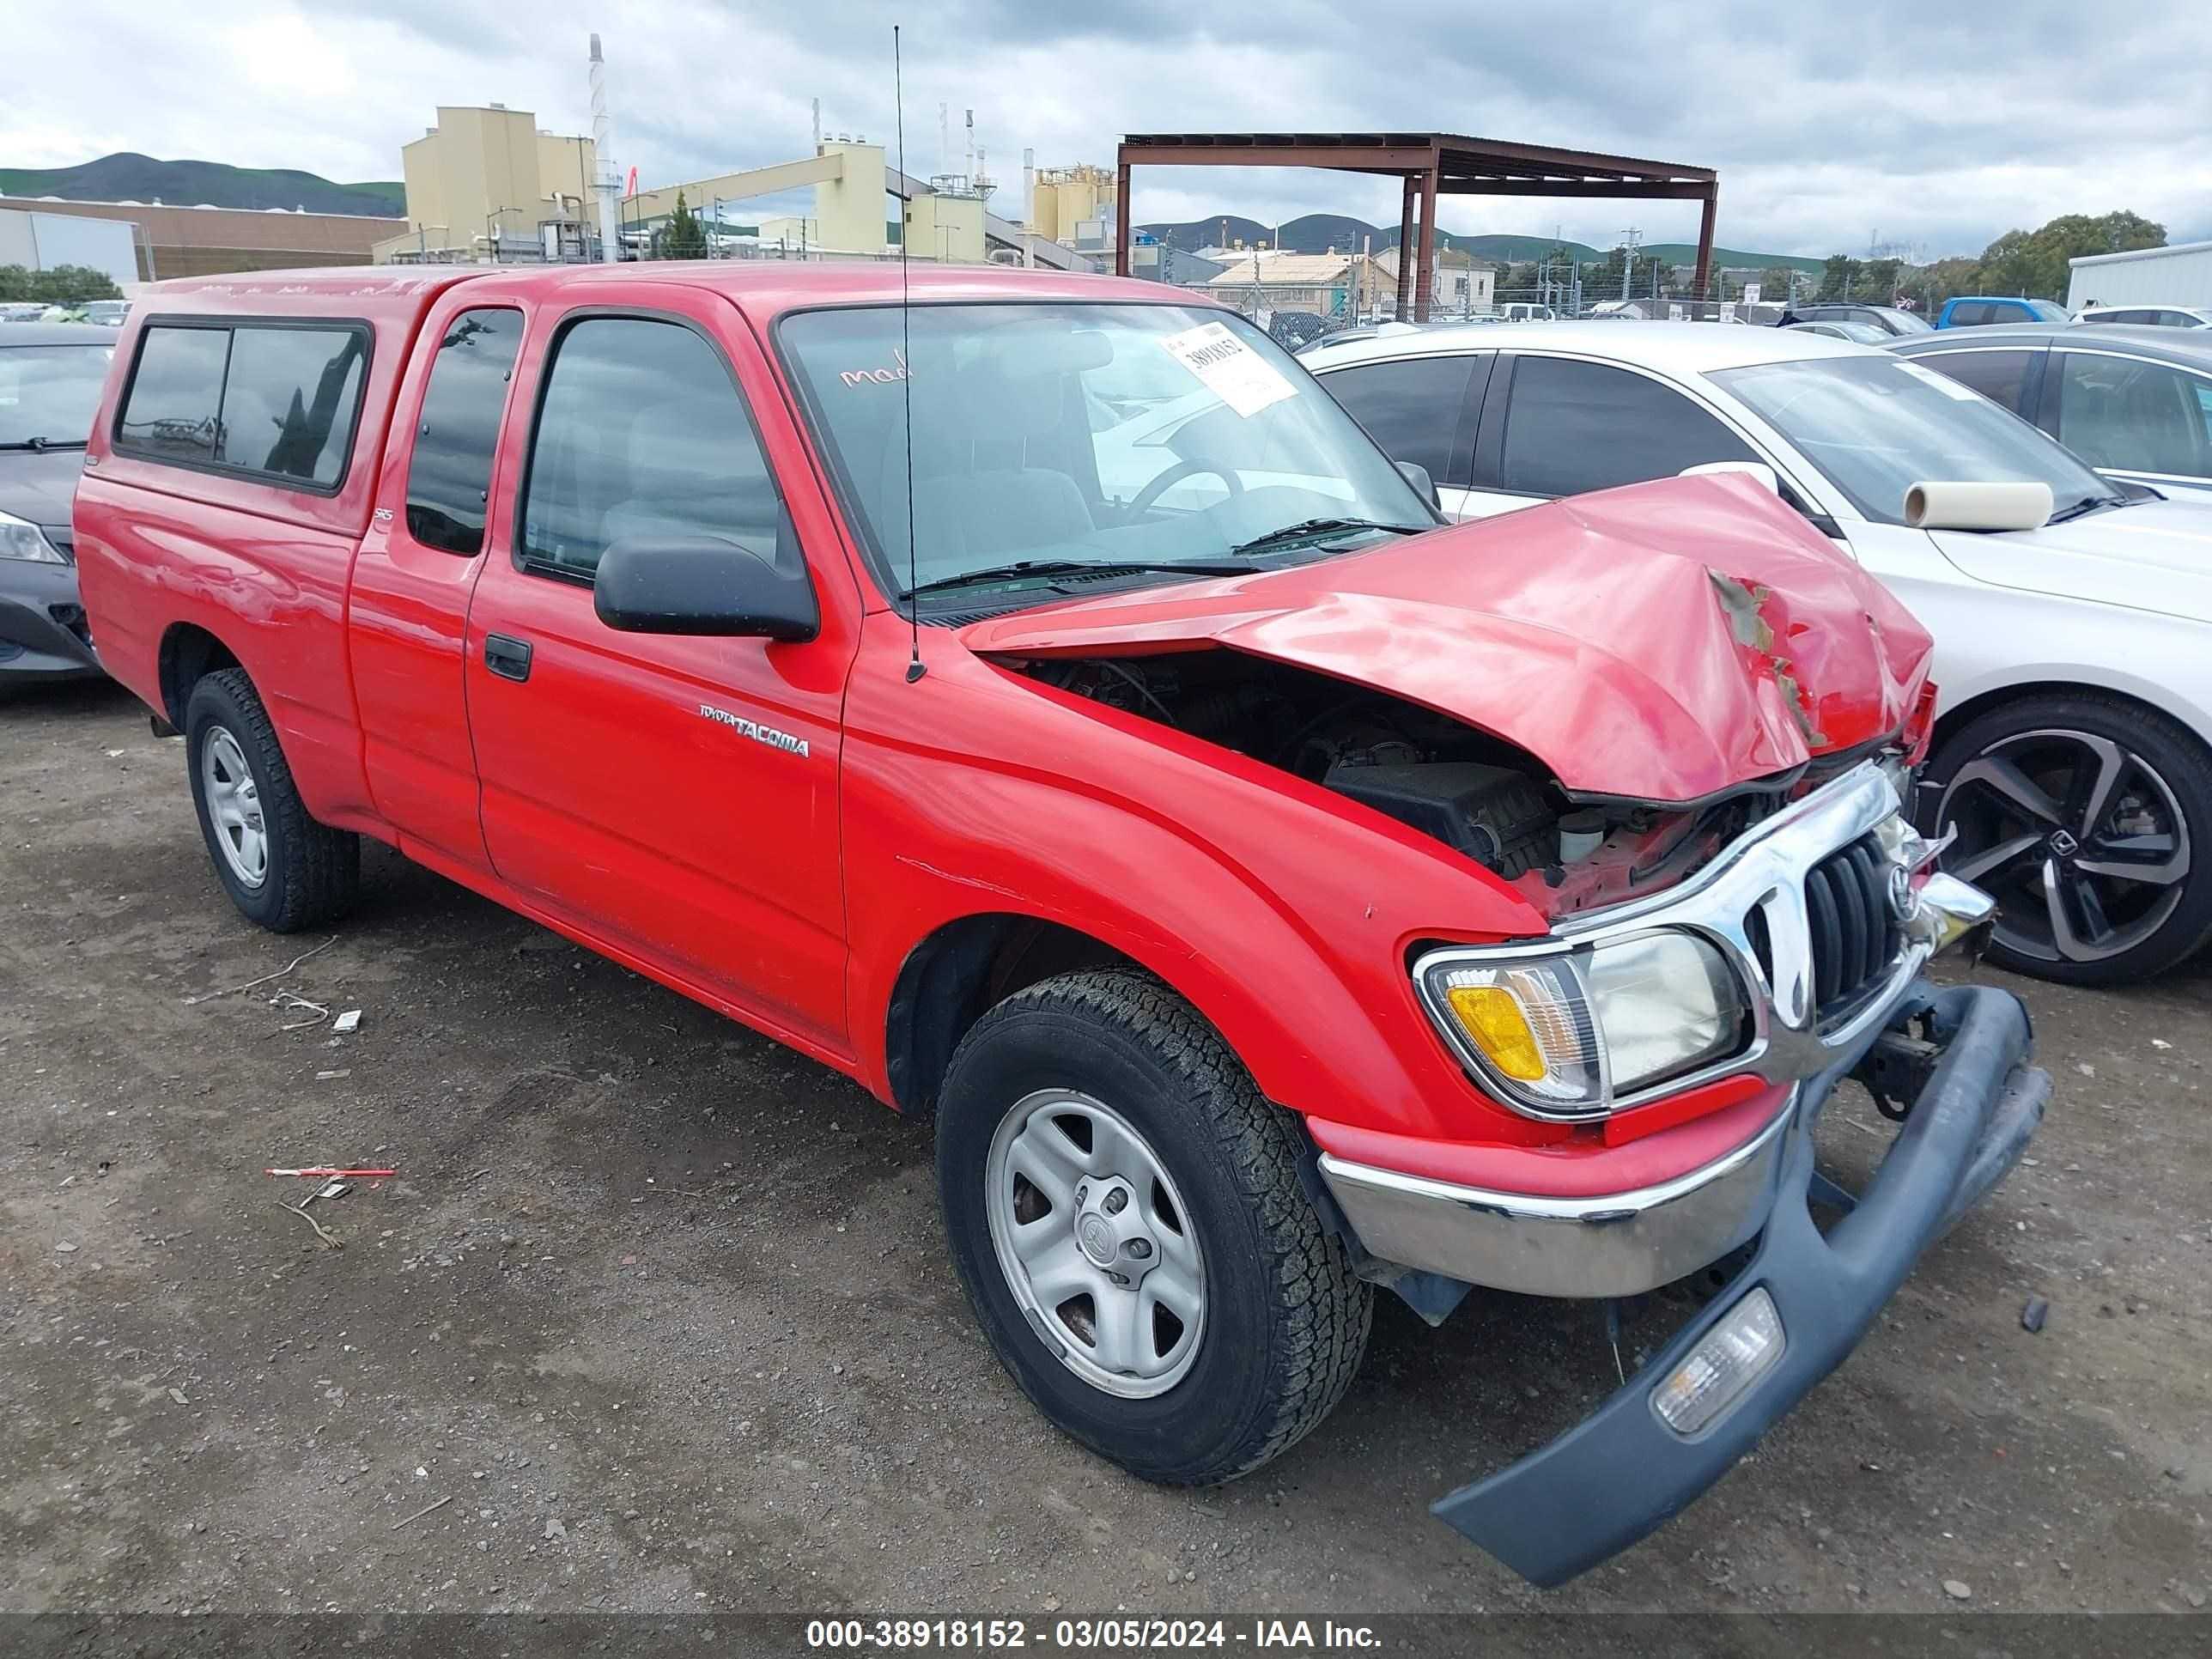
[1175, 474]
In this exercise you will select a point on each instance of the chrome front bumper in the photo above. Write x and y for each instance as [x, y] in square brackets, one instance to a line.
[1625, 1243]
[1616, 1244]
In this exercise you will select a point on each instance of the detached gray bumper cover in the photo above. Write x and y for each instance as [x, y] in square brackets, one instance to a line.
[1622, 1472]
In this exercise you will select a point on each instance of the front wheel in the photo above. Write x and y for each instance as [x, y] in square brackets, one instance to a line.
[2087, 818]
[1125, 1214]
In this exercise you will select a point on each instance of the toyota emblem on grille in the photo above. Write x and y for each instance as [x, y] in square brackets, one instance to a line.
[1901, 891]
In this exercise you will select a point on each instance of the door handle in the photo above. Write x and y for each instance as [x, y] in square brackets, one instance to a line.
[506, 657]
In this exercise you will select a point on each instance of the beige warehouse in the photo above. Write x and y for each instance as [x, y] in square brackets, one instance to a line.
[486, 175]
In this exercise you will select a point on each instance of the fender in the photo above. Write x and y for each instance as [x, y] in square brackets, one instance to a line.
[1295, 948]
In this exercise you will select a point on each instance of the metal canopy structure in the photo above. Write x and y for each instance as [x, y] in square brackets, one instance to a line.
[1431, 164]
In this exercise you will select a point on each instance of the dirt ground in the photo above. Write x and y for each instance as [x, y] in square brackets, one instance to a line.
[660, 1313]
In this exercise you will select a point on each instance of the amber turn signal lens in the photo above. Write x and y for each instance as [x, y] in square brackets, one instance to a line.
[1491, 1015]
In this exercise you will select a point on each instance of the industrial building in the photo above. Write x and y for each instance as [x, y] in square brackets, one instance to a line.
[201, 241]
[2178, 276]
[489, 183]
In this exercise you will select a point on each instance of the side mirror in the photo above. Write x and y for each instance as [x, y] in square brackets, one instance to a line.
[1978, 506]
[701, 585]
[1418, 476]
[1758, 470]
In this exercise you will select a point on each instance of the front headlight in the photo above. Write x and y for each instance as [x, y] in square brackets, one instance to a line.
[21, 539]
[1566, 1033]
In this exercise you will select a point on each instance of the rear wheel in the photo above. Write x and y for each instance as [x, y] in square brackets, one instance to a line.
[1125, 1214]
[281, 868]
[2087, 818]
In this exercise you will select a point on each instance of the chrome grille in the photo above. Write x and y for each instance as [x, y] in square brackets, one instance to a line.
[1853, 933]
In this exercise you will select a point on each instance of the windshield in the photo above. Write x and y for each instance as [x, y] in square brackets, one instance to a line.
[1877, 426]
[1905, 322]
[50, 392]
[1067, 435]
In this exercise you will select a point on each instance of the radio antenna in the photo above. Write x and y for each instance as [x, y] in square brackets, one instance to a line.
[914, 669]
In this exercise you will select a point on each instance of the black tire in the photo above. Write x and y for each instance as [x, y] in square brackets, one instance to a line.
[2149, 927]
[1285, 1320]
[313, 871]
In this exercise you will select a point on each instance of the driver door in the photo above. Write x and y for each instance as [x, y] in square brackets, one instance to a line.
[674, 797]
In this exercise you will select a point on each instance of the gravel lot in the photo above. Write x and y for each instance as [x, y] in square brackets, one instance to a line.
[660, 1313]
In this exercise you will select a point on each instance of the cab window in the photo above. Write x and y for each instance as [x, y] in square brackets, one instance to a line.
[449, 470]
[641, 434]
[271, 399]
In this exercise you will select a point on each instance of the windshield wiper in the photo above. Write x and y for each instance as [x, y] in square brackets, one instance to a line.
[1309, 529]
[2087, 504]
[1083, 567]
[42, 443]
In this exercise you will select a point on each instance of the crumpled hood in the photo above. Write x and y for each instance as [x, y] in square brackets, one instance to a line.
[1664, 642]
[2149, 555]
[39, 484]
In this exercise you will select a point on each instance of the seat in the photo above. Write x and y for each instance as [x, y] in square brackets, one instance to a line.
[977, 498]
[696, 468]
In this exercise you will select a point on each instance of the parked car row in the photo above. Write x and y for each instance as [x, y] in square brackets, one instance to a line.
[1039, 699]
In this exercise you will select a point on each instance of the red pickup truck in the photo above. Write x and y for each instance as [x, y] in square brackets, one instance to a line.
[1038, 700]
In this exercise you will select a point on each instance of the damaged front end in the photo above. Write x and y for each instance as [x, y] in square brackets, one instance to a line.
[1587, 715]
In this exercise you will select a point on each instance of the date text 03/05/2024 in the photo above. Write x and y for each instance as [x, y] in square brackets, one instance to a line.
[1000, 1635]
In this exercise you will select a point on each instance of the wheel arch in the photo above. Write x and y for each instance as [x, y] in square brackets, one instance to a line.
[959, 971]
[188, 653]
[2062, 684]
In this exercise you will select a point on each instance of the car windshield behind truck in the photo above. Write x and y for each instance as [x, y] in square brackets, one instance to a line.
[1060, 436]
[49, 393]
[1877, 426]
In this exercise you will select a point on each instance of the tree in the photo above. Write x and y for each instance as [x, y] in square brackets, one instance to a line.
[1879, 280]
[2033, 263]
[57, 285]
[1774, 283]
[1840, 278]
[686, 238]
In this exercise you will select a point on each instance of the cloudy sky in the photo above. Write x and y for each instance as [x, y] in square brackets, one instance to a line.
[1888, 120]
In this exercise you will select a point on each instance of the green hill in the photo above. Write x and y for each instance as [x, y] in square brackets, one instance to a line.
[125, 177]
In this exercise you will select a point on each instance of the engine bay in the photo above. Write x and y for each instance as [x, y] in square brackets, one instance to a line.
[1485, 798]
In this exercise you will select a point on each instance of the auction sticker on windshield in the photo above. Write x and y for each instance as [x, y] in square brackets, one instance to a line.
[1229, 368]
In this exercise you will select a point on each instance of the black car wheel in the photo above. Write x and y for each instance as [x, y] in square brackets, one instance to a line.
[2088, 819]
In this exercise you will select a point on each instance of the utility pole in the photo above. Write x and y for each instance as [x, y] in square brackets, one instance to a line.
[1630, 238]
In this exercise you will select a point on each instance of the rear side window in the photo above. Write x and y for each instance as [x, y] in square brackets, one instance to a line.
[641, 435]
[2134, 416]
[449, 471]
[288, 401]
[270, 399]
[2000, 376]
[1970, 315]
[1573, 427]
[1412, 407]
[173, 411]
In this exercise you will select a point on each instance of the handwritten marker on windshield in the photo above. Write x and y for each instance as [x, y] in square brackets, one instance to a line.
[333, 1175]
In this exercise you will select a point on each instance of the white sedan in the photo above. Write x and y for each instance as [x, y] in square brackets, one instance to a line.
[2073, 752]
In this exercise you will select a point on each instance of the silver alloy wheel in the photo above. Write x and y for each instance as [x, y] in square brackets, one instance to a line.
[2080, 841]
[233, 805]
[1096, 1244]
